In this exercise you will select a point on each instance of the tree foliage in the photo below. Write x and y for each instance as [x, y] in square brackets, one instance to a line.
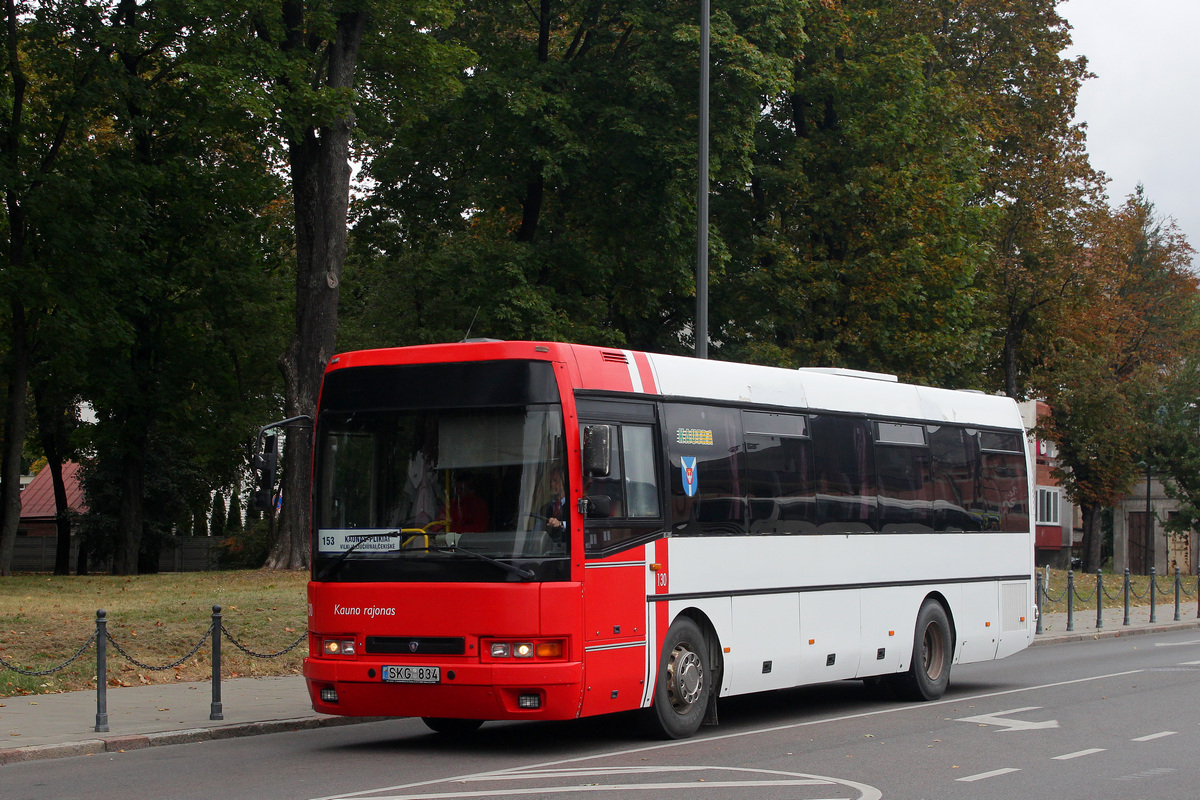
[895, 187]
[1110, 356]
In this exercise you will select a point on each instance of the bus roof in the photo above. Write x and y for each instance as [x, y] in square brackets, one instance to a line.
[615, 370]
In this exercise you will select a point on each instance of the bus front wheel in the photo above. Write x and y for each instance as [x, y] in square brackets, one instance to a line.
[682, 691]
[929, 674]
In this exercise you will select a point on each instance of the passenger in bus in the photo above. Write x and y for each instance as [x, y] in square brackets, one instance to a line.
[468, 511]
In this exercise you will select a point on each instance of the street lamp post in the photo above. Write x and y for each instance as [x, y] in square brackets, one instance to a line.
[702, 194]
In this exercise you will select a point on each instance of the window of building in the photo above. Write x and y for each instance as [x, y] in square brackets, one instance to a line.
[1048, 501]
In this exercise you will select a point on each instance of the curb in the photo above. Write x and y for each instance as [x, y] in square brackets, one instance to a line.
[1111, 633]
[140, 741]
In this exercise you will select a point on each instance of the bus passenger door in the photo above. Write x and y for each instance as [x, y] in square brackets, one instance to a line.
[623, 504]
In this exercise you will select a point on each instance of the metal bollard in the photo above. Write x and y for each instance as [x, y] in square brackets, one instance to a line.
[101, 672]
[1177, 617]
[215, 711]
[1070, 600]
[1040, 595]
[1153, 597]
[1099, 600]
[1126, 622]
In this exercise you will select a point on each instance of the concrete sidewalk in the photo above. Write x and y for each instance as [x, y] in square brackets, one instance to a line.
[59, 725]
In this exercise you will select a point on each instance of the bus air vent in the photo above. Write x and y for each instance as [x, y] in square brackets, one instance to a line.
[614, 356]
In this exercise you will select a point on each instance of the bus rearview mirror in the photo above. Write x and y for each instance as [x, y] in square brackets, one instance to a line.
[597, 450]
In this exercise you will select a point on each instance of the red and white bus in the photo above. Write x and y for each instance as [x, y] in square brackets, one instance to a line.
[534, 530]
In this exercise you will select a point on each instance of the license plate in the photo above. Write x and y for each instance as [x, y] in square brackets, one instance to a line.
[412, 674]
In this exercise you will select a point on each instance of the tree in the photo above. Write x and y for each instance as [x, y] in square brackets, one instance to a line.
[1036, 180]
[856, 242]
[1175, 445]
[1110, 356]
[554, 196]
[53, 58]
[309, 54]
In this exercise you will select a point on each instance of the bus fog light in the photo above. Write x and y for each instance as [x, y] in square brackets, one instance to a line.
[329, 695]
[523, 650]
[529, 701]
[500, 650]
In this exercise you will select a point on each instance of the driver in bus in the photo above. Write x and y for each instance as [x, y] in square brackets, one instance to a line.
[556, 513]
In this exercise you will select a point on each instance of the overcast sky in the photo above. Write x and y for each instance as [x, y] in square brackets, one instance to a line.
[1143, 107]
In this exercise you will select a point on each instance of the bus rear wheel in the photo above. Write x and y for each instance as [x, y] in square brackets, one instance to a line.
[684, 685]
[929, 674]
[451, 726]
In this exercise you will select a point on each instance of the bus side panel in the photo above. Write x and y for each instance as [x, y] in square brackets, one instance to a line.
[613, 678]
[831, 635]
[615, 632]
[977, 622]
[888, 628]
[1016, 618]
[765, 652]
[614, 595]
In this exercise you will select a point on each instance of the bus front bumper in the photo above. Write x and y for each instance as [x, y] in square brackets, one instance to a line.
[466, 691]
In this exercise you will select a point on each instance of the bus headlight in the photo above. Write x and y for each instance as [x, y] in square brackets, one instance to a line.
[546, 649]
[339, 647]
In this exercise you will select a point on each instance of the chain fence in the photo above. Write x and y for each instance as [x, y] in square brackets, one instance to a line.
[101, 639]
[1099, 592]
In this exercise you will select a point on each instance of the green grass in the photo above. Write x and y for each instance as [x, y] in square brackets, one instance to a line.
[156, 619]
[1085, 587]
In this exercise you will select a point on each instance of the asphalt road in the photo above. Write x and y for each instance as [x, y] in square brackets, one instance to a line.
[1095, 720]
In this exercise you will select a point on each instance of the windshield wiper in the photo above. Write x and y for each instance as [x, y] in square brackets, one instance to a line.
[520, 572]
[332, 566]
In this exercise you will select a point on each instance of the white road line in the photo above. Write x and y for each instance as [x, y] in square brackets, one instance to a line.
[983, 775]
[1079, 754]
[622, 787]
[1190, 664]
[1158, 735]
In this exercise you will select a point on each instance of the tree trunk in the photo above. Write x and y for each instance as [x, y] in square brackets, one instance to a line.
[130, 519]
[320, 171]
[62, 519]
[56, 446]
[1093, 538]
[14, 436]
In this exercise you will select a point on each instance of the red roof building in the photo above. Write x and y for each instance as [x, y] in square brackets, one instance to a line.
[38, 511]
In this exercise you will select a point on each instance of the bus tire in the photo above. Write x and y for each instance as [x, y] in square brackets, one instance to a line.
[929, 674]
[451, 726]
[683, 688]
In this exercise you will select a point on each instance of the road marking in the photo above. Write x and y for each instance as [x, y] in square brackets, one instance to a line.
[753, 778]
[705, 740]
[1159, 735]
[1190, 664]
[1176, 644]
[999, 719]
[607, 787]
[984, 775]
[1079, 754]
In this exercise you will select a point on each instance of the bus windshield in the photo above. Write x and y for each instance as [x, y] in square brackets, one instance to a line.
[444, 494]
[405, 495]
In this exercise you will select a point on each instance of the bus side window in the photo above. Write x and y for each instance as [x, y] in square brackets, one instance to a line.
[705, 444]
[641, 487]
